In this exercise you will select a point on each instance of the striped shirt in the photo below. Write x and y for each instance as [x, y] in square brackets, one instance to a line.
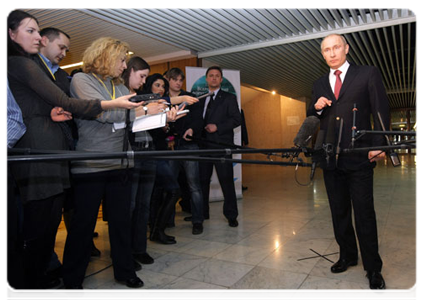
[15, 125]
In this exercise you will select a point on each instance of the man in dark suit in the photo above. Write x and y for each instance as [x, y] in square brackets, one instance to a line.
[221, 115]
[349, 176]
[54, 46]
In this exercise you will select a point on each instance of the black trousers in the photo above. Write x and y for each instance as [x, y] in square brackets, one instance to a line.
[348, 191]
[13, 246]
[225, 174]
[142, 189]
[114, 188]
[41, 220]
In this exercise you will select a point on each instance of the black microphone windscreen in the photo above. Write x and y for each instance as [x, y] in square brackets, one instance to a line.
[330, 134]
[320, 139]
[307, 129]
[319, 150]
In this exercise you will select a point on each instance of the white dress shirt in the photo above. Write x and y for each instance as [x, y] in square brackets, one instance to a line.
[332, 76]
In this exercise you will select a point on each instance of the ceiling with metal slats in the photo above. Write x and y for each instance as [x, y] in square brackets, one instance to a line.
[274, 49]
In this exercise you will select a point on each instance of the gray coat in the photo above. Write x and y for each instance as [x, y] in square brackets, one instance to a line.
[99, 134]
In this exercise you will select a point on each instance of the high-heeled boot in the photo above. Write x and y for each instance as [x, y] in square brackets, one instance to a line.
[157, 233]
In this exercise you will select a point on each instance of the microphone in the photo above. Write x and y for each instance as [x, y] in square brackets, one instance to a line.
[320, 140]
[392, 154]
[318, 152]
[304, 135]
[313, 170]
[205, 95]
[330, 138]
[338, 148]
[307, 129]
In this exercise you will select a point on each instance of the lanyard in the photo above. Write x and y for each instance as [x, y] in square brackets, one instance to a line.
[42, 59]
[113, 87]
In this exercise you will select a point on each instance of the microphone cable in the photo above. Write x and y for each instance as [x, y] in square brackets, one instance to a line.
[296, 176]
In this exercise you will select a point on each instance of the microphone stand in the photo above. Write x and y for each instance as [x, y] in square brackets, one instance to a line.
[356, 134]
[232, 160]
[354, 128]
[59, 155]
[392, 154]
[289, 154]
[396, 146]
[338, 148]
[360, 133]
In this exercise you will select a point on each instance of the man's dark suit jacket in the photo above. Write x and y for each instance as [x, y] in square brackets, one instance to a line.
[61, 77]
[226, 115]
[362, 86]
[62, 80]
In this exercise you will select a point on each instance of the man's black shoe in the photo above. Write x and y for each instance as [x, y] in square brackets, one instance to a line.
[342, 265]
[137, 266]
[163, 238]
[52, 278]
[233, 223]
[75, 291]
[376, 280]
[50, 284]
[134, 283]
[188, 219]
[144, 258]
[197, 228]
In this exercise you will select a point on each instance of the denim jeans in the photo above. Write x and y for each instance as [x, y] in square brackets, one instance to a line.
[165, 177]
[142, 188]
[192, 172]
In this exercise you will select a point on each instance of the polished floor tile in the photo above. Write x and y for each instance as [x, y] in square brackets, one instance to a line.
[265, 278]
[244, 254]
[284, 240]
[219, 272]
[290, 261]
[174, 263]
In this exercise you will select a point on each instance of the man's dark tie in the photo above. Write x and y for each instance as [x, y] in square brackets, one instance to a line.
[208, 109]
[338, 83]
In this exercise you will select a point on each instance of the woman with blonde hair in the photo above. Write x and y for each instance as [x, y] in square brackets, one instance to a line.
[42, 184]
[107, 179]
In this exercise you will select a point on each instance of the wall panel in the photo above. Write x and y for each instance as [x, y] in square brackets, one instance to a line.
[272, 120]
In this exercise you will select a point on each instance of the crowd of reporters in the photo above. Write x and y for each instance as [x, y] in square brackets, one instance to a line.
[49, 110]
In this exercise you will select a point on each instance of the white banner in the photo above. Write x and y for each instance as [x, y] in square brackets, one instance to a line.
[196, 84]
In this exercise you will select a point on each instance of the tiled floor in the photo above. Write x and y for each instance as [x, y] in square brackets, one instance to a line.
[282, 226]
